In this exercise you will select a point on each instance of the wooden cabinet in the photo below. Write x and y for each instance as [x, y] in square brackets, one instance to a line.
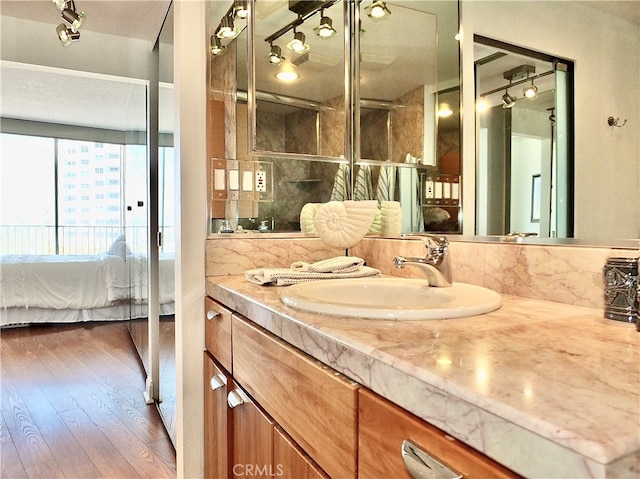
[217, 332]
[216, 424]
[384, 426]
[316, 406]
[283, 414]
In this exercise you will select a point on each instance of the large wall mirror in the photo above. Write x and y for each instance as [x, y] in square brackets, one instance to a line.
[602, 40]
[409, 70]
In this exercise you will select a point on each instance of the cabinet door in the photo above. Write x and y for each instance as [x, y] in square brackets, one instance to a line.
[290, 461]
[252, 432]
[216, 424]
[384, 427]
[217, 332]
[317, 407]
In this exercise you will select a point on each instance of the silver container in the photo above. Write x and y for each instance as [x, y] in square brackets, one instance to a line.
[620, 276]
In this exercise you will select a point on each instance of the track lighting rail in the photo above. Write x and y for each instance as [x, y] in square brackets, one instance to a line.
[299, 21]
[519, 82]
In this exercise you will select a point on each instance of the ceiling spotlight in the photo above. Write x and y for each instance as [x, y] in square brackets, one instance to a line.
[216, 46]
[275, 55]
[482, 105]
[227, 29]
[530, 92]
[325, 29]
[287, 72]
[377, 11]
[59, 4]
[445, 110]
[72, 17]
[297, 44]
[240, 9]
[66, 35]
[507, 100]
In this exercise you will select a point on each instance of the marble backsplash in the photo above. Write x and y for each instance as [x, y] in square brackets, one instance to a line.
[563, 274]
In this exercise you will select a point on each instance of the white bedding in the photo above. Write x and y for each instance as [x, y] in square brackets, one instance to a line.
[79, 283]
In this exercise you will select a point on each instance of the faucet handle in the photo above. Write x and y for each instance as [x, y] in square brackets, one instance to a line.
[433, 243]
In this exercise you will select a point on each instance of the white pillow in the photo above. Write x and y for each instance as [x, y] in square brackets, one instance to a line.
[119, 247]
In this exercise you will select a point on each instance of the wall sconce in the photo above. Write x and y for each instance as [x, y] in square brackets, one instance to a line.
[298, 44]
[377, 11]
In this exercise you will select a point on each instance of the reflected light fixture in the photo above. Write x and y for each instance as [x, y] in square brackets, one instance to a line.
[507, 100]
[275, 55]
[227, 28]
[530, 92]
[325, 29]
[216, 46]
[66, 35]
[72, 17]
[482, 105]
[377, 11]
[287, 72]
[298, 44]
[240, 9]
[445, 110]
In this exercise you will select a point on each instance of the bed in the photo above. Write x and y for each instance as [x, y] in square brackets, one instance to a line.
[72, 288]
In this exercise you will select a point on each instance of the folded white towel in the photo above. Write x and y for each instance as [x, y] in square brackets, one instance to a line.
[299, 272]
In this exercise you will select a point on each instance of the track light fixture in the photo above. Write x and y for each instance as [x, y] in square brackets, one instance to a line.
[508, 101]
[325, 29]
[216, 46]
[227, 29]
[68, 34]
[275, 55]
[377, 11]
[240, 9]
[298, 44]
[530, 92]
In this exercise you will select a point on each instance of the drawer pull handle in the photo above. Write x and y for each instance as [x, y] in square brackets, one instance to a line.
[217, 381]
[236, 398]
[211, 314]
[421, 465]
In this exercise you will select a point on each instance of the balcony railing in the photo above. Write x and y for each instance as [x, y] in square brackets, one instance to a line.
[75, 240]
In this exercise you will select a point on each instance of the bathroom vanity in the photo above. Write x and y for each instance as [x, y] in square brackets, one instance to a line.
[536, 389]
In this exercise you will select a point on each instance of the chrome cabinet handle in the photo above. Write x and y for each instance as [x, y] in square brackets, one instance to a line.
[211, 314]
[217, 381]
[421, 465]
[236, 398]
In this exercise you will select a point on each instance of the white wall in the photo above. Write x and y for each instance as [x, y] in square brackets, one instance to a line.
[190, 60]
[605, 50]
[96, 53]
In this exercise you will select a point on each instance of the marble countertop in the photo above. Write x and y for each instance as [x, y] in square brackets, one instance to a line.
[548, 390]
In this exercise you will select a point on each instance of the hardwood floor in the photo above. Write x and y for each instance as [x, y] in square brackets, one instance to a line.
[73, 407]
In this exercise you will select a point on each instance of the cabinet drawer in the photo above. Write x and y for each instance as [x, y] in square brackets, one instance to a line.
[291, 462]
[313, 404]
[383, 428]
[217, 332]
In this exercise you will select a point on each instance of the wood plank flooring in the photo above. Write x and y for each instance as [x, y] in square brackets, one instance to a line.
[72, 406]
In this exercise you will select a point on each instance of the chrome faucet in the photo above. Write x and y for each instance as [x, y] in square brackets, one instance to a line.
[436, 265]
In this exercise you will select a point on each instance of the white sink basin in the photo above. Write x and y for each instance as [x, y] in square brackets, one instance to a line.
[390, 298]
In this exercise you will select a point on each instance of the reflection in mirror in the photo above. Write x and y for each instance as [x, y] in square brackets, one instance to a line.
[298, 78]
[606, 173]
[399, 105]
[524, 121]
